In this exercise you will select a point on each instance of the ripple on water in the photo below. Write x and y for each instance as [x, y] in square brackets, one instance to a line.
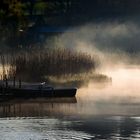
[39, 129]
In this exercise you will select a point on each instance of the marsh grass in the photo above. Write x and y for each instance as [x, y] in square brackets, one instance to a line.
[78, 80]
[36, 65]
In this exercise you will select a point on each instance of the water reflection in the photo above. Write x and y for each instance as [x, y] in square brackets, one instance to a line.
[107, 110]
[36, 107]
[41, 129]
[70, 128]
[113, 128]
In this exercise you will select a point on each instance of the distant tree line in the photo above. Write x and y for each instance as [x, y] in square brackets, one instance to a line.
[20, 8]
[18, 15]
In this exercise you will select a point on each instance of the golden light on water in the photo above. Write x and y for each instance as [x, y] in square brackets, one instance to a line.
[121, 96]
[124, 86]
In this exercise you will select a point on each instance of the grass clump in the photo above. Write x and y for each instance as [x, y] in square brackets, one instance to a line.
[36, 65]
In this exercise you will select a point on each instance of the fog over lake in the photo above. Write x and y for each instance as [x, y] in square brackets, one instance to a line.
[101, 109]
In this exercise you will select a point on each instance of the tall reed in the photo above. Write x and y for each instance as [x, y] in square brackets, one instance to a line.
[36, 64]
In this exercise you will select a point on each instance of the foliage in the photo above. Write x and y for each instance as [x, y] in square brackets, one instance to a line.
[19, 14]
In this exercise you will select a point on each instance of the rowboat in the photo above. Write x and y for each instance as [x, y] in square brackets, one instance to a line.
[36, 90]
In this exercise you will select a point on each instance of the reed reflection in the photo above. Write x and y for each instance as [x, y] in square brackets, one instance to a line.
[38, 107]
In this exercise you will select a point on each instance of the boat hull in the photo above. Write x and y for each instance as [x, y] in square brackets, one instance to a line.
[33, 93]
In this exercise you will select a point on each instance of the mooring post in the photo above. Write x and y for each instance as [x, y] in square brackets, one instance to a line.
[2, 86]
[1, 81]
[6, 81]
[14, 81]
[19, 83]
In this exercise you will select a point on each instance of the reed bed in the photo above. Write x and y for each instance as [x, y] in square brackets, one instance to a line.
[38, 64]
[79, 80]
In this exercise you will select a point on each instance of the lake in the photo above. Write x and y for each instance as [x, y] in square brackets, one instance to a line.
[105, 110]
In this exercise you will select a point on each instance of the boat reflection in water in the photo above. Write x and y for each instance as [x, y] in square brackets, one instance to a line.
[38, 107]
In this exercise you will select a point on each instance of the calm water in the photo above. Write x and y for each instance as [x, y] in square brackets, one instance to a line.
[108, 110]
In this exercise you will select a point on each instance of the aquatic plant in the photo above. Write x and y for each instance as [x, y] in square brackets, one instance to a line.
[37, 64]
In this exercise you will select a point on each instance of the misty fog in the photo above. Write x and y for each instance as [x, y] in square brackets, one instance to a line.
[115, 44]
[109, 40]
